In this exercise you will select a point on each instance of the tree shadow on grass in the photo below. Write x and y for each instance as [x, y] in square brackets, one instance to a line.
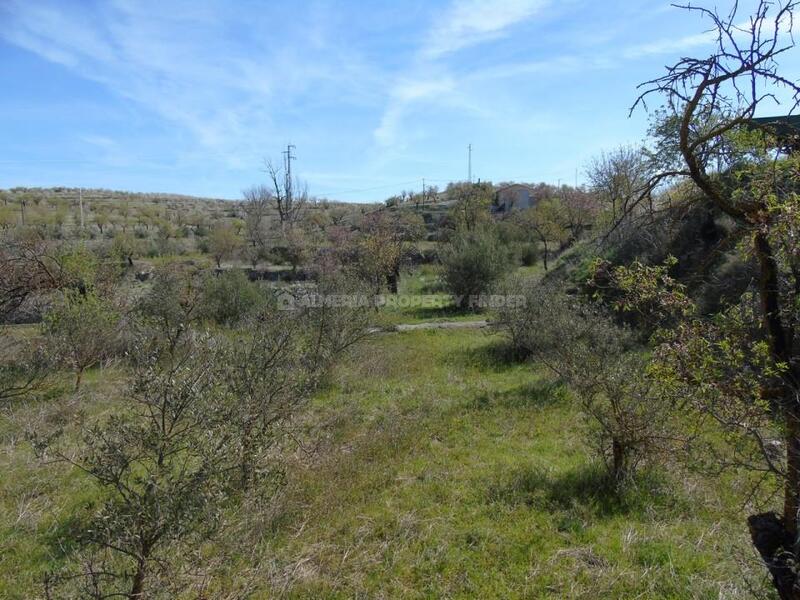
[588, 488]
[540, 393]
[497, 355]
[437, 312]
[67, 535]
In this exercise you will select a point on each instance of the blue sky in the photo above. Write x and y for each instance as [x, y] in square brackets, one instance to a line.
[190, 96]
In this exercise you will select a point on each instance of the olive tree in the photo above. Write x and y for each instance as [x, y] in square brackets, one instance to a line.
[223, 243]
[162, 464]
[473, 262]
[386, 239]
[269, 371]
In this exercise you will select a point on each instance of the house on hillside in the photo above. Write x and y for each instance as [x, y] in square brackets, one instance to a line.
[517, 196]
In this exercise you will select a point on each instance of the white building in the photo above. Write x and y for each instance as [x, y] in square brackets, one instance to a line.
[517, 196]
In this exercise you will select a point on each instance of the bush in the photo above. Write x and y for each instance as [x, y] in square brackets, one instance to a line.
[81, 331]
[170, 305]
[473, 262]
[528, 254]
[602, 363]
[229, 297]
[163, 467]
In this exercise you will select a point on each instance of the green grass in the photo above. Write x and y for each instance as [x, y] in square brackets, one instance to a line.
[431, 468]
[424, 281]
[449, 473]
[39, 499]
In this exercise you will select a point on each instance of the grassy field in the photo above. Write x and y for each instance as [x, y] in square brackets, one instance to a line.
[435, 469]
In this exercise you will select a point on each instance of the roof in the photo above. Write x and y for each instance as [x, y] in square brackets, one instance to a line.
[515, 185]
[783, 127]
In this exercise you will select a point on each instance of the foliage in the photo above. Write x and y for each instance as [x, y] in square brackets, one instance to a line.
[376, 254]
[162, 465]
[471, 204]
[228, 297]
[171, 305]
[602, 364]
[81, 330]
[23, 370]
[721, 369]
[648, 295]
[123, 249]
[473, 262]
[710, 102]
[223, 243]
[294, 248]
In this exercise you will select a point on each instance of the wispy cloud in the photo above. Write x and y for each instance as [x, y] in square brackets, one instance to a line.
[405, 92]
[668, 45]
[464, 24]
[470, 22]
[180, 61]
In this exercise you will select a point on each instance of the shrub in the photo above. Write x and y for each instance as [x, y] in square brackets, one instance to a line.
[229, 297]
[170, 305]
[473, 262]
[223, 243]
[163, 466]
[603, 364]
[81, 330]
[528, 253]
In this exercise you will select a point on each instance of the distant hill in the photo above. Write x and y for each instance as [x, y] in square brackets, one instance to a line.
[101, 194]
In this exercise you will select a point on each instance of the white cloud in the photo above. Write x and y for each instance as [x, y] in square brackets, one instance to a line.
[204, 67]
[470, 22]
[463, 24]
[405, 92]
[670, 45]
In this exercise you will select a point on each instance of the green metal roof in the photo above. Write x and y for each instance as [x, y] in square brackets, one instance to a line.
[782, 127]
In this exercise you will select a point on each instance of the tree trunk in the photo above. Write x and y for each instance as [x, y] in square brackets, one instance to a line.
[392, 280]
[775, 537]
[618, 466]
[769, 536]
[544, 255]
[792, 485]
[137, 587]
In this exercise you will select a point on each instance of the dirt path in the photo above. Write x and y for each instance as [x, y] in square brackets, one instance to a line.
[432, 325]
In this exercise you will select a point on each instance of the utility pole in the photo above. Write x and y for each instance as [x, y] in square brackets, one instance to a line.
[80, 204]
[469, 162]
[288, 171]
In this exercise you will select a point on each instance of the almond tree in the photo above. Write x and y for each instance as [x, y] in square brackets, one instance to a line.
[290, 196]
[81, 330]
